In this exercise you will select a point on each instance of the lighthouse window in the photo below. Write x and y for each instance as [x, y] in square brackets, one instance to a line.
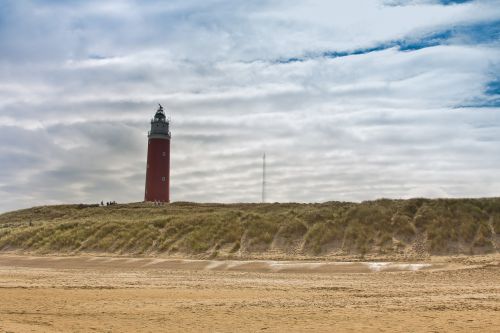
[162, 179]
[164, 154]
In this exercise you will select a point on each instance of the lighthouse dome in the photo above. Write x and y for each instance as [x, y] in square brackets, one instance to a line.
[160, 114]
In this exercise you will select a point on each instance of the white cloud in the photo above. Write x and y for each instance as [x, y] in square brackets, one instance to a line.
[79, 82]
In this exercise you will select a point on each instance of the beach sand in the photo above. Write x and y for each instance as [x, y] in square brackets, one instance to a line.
[106, 294]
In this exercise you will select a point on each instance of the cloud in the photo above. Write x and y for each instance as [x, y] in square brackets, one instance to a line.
[349, 101]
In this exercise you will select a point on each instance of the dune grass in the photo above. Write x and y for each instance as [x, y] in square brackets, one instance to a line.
[445, 226]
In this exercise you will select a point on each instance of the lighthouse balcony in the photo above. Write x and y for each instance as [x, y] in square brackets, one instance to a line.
[163, 134]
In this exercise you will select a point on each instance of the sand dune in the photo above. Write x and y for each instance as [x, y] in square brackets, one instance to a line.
[388, 230]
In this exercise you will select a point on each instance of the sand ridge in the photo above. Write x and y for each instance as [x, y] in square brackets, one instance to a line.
[285, 266]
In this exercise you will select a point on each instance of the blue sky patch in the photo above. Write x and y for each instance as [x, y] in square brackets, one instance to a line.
[493, 87]
[453, 2]
[479, 33]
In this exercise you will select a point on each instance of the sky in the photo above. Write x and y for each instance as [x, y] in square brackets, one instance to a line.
[350, 100]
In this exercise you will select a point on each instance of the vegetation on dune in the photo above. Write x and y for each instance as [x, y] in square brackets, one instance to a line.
[415, 227]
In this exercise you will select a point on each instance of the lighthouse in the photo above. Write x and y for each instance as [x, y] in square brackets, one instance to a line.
[158, 161]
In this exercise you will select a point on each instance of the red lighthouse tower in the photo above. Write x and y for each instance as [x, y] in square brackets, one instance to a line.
[158, 165]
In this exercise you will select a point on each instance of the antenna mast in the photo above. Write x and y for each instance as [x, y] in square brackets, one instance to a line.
[264, 178]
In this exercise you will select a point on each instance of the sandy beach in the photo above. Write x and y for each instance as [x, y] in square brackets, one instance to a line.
[106, 294]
